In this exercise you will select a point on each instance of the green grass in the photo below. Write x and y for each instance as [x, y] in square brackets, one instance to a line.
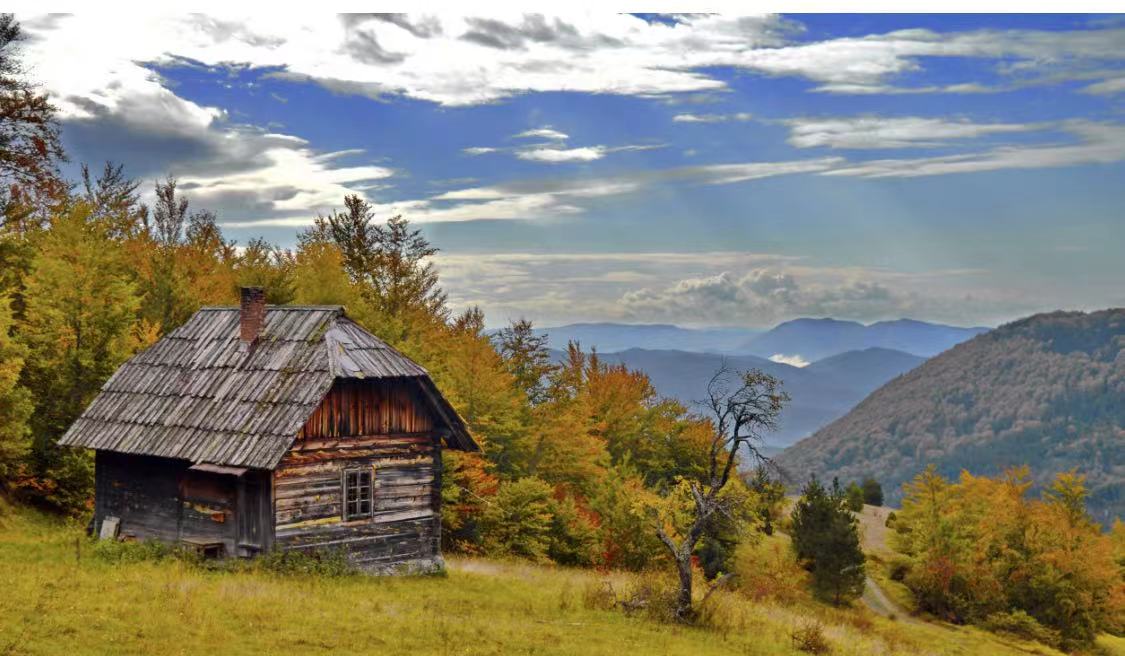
[53, 603]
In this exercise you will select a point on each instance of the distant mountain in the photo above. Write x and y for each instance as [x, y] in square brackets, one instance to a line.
[815, 339]
[606, 337]
[873, 364]
[820, 392]
[1047, 391]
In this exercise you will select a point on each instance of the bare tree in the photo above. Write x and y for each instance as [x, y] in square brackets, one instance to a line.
[742, 407]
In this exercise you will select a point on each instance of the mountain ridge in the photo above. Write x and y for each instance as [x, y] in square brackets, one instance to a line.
[819, 394]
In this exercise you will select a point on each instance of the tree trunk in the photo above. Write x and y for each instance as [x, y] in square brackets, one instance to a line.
[684, 610]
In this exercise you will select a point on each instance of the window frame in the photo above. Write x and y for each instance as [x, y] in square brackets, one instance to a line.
[347, 485]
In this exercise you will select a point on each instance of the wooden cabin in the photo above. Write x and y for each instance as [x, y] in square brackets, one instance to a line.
[263, 427]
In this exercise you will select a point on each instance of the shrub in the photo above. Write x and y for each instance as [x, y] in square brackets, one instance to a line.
[599, 595]
[314, 562]
[810, 639]
[898, 568]
[119, 551]
[649, 595]
[891, 517]
[1022, 625]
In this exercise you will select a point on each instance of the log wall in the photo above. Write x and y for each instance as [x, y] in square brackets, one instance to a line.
[162, 499]
[378, 424]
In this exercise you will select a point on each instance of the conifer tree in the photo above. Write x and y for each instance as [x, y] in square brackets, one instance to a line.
[826, 539]
[872, 492]
[15, 401]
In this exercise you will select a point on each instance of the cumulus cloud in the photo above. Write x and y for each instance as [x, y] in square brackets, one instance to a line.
[759, 297]
[878, 132]
[732, 288]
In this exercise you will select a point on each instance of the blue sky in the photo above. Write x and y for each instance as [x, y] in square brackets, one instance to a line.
[699, 170]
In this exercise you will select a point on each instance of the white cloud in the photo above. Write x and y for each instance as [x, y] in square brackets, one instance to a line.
[480, 150]
[543, 133]
[466, 60]
[712, 118]
[876, 132]
[791, 360]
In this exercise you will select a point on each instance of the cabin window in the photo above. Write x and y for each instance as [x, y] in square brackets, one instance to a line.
[357, 493]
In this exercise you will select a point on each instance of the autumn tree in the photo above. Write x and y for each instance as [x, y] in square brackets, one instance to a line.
[826, 539]
[78, 327]
[982, 551]
[741, 407]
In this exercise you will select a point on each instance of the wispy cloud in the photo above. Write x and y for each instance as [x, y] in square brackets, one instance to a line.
[543, 133]
[879, 132]
[712, 118]
[1097, 143]
[1106, 87]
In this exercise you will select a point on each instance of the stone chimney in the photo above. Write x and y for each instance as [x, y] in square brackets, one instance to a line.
[251, 315]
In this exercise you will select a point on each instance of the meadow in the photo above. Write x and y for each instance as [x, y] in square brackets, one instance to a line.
[59, 598]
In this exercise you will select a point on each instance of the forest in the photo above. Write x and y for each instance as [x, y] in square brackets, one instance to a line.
[583, 464]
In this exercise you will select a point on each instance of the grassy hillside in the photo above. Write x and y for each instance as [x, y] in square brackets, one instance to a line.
[54, 603]
[1047, 391]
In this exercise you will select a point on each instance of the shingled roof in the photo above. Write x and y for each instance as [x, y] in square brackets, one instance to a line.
[199, 394]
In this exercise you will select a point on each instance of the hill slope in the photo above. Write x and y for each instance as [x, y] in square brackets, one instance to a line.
[815, 339]
[820, 392]
[1047, 391]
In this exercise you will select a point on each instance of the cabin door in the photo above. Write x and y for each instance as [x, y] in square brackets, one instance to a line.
[251, 514]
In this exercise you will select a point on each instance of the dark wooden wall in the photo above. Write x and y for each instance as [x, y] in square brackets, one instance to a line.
[379, 424]
[162, 499]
